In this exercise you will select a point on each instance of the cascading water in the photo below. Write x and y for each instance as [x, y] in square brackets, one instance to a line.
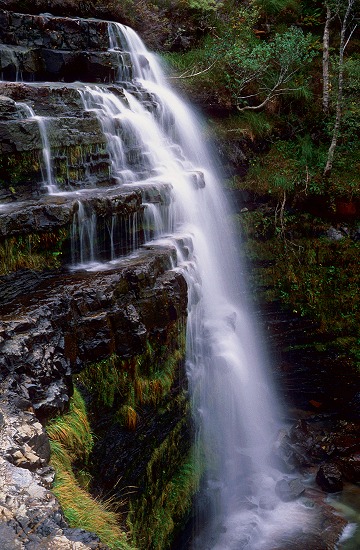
[154, 140]
[47, 170]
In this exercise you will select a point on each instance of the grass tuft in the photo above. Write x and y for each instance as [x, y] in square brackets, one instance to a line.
[71, 441]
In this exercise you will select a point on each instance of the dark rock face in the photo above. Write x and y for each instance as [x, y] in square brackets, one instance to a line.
[51, 213]
[42, 47]
[51, 334]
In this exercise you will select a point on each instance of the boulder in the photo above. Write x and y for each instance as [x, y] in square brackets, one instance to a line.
[288, 490]
[329, 478]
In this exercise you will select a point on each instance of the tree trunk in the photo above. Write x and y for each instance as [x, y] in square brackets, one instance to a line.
[325, 62]
[338, 113]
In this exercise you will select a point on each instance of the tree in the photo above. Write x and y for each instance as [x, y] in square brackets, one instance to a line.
[258, 71]
[344, 9]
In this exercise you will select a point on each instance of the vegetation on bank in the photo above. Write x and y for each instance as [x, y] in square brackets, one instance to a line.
[36, 251]
[310, 267]
[71, 443]
[129, 384]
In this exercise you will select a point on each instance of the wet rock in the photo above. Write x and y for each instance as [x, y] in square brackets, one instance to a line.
[350, 468]
[8, 108]
[47, 31]
[354, 407]
[329, 478]
[335, 234]
[288, 490]
[50, 213]
[283, 455]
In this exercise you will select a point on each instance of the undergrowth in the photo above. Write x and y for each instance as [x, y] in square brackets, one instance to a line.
[37, 251]
[169, 500]
[307, 272]
[127, 384]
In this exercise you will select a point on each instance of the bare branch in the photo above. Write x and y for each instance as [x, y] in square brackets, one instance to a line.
[186, 75]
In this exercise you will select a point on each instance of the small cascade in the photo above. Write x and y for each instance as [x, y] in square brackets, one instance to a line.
[47, 168]
[143, 62]
[83, 235]
[116, 45]
[98, 237]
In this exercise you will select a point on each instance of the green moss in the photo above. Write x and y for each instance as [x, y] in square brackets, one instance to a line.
[168, 499]
[36, 251]
[73, 163]
[20, 169]
[131, 383]
[71, 442]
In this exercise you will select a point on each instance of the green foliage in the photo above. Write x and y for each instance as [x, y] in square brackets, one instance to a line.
[71, 442]
[36, 251]
[168, 501]
[274, 7]
[256, 70]
[205, 5]
[321, 281]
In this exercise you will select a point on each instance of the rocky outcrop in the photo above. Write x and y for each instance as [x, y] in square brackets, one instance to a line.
[48, 336]
[56, 330]
[42, 47]
[50, 213]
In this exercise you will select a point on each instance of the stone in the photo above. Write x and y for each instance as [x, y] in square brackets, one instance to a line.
[334, 234]
[283, 456]
[288, 490]
[9, 539]
[350, 468]
[329, 478]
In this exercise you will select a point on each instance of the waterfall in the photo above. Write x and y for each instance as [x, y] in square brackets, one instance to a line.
[155, 139]
[155, 143]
